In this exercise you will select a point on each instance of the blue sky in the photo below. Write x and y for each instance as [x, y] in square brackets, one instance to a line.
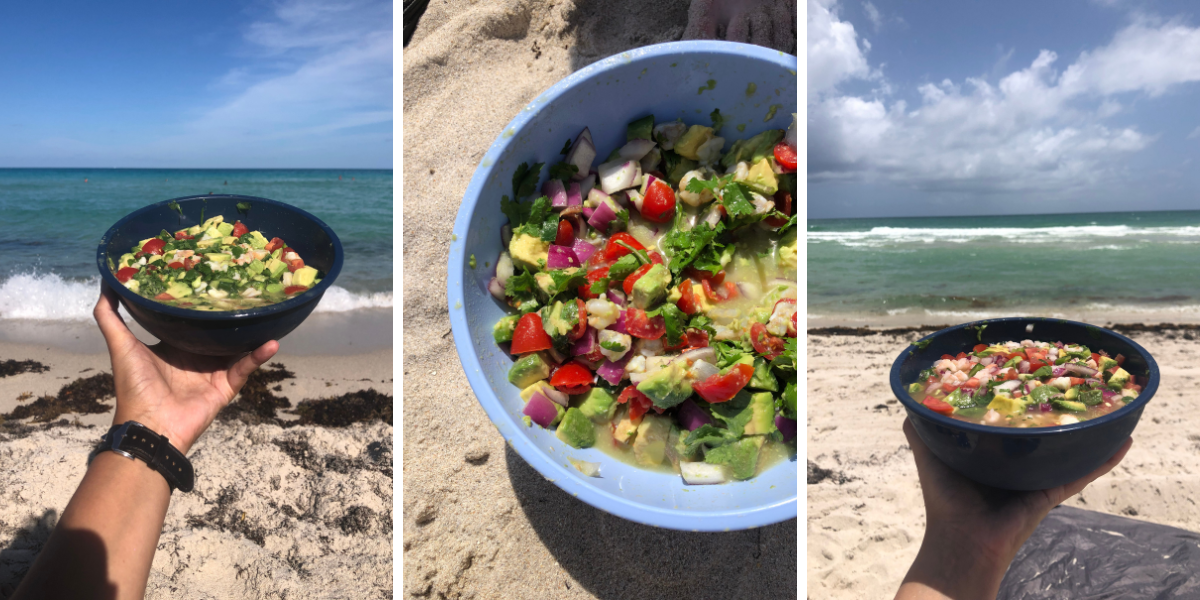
[213, 84]
[957, 108]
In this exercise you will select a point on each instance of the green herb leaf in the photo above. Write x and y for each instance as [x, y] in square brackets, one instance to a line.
[173, 205]
[922, 344]
[717, 120]
[613, 346]
[563, 171]
[525, 179]
[243, 207]
[566, 147]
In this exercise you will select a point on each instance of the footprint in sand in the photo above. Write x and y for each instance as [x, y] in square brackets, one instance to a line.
[770, 23]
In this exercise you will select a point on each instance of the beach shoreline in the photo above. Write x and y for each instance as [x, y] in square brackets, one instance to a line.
[934, 320]
[866, 517]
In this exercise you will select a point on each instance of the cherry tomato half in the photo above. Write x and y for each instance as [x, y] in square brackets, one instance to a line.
[528, 336]
[764, 343]
[722, 388]
[658, 205]
[572, 378]
[785, 155]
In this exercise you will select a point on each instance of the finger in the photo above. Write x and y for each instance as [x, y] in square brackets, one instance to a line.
[1077, 486]
[921, 453]
[112, 326]
[242, 369]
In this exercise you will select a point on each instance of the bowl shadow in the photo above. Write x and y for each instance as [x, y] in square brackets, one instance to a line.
[615, 558]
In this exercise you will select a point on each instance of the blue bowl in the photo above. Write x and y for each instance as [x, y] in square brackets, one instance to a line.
[1036, 458]
[662, 80]
[223, 333]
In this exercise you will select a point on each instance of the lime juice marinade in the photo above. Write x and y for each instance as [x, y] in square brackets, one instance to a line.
[1026, 384]
[215, 266]
[653, 299]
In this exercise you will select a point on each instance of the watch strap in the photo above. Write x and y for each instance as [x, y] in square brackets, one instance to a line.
[134, 440]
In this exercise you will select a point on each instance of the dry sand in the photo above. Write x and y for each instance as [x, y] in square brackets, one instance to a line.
[277, 512]
[866, 518]
[478, 521]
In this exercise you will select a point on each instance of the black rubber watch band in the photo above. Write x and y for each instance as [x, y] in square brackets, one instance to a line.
[134, 440]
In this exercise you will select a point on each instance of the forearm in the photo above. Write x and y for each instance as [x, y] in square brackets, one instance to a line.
[945, 568]
[104, 543]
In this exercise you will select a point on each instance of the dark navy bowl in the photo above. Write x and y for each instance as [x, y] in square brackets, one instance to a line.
[223, 333]
[1034, 458]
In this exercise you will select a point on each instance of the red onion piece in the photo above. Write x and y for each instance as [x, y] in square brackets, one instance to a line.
[1081, 370]
[583, 250]
[613, 372]
[1023, 367]
[585, 344]
[496, 288]
[582, 153]
[602, 217]
[691, 417]
[1057, 372]
[636, 149]
[574, 197]
[561, 257]
[557, 193]
[619, 325]
[787, 427]
[587, 211]
[541, 410]
[619, 175]
[617, 297]
[1043, 407]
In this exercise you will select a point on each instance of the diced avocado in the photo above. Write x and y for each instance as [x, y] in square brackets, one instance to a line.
[667, 386]
[1118, 379]
[559, 417]
[133, 285]
[762, 418]
[651, 288]
[502, 331]
[213, 233]
[218, 257]
[257, 240]
[1091, 397]
[560, 281]
[229, 240]
[256, 267]
[560, 319]
[126, 260]
[213, 221]
[304, 276]
[1070, 405]
[650, 446]
[1106, 363]
[915, 388]
[194, 230]
[753, 149]
[1043, 393]
[761, 178]
[576, 430]
[207, 243]
[528, 251]
[763, 379]
[153, 258]
[677, 450]
[640, 129]
[528, 369]
[1043, 372]
[272, 288]
[741, 456]
[1072, 393]
[179, 290]
[276, 267]
[690, 141]
[538, 386]
[276, 253]
[225, 229]
[1129, 395]
[1007, 405]
[598, 405]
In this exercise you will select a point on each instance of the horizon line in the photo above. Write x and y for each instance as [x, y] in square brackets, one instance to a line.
[1046, 214]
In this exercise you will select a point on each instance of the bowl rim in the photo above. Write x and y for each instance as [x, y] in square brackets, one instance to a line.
[1135, 406]
[558, 473]
[300, 299]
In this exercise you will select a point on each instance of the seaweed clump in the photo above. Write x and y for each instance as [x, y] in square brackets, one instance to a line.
[362, 406]
[16, 367]
[81, 396]
[256, 404]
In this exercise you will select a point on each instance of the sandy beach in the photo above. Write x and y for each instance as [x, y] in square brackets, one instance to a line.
[285, 506]
[865, 514]
[478, 521]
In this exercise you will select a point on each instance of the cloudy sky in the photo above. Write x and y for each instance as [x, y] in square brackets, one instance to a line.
[234, 84]
[957, 108]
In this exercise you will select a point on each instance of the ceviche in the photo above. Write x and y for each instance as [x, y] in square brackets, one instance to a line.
[1026, 384]
[214, 266]
[653, 298]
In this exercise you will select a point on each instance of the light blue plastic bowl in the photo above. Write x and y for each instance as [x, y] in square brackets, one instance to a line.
[664, 80]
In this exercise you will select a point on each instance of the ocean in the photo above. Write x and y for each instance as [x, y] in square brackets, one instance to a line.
[1105, 266]
[51, 221]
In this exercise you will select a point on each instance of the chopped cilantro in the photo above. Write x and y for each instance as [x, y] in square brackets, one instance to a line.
[173, 205]
[566, 147]
[243, 207]
[563, 171]
[623, 267]
[683, 247]
[613, 346]
[525, 179]
[717, 120]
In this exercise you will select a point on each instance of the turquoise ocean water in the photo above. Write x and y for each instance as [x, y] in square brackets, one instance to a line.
[51, 221]
[954, 269]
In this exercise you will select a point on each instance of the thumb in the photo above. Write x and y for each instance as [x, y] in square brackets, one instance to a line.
[242, 369]
[116, 333]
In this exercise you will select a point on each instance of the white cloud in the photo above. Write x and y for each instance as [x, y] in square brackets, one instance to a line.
[1035, 129]
[873, 15]
[833, 52]
[1194, 134]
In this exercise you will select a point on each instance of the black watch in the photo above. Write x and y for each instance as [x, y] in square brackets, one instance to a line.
[134, 440]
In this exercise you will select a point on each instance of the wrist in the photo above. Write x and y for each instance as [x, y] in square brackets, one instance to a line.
[180, 442]
[957, 566]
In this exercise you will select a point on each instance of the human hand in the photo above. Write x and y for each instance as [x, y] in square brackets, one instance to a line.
[973, 531]
[174, 393]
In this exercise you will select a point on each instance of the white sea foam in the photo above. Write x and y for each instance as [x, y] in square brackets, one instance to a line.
[885, 236]
[49, 297]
